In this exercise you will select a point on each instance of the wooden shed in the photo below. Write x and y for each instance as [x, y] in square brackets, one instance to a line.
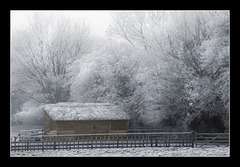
[84, 118]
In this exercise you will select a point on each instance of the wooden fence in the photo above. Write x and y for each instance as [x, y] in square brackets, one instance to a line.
[218, 139]
[119, 140]
[108, 140]
[23, 135]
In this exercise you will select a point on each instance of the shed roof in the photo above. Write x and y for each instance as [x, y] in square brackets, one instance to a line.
[85, 111]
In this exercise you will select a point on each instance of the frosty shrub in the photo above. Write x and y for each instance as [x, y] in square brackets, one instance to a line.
[31, 113]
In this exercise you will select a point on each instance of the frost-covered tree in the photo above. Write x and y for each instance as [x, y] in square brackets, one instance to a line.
[30, 113]
[207, 56]
[216, 56]
[103, 75]
[130, 26]
[41, 53]
[180, 89]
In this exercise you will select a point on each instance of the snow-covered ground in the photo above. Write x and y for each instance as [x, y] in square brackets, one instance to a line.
[132, 152]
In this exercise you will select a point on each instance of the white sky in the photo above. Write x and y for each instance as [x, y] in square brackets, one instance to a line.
[99, 20]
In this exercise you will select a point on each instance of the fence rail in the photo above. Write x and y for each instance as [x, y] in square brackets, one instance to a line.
[107, 140]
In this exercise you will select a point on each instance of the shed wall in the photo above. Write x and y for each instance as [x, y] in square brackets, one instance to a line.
[89, 127]
[49, 124]
[84, 127]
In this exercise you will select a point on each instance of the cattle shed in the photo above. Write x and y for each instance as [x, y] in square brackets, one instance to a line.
[84, 118]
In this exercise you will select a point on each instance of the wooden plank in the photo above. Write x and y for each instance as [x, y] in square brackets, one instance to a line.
[211, 137]
[213, 134]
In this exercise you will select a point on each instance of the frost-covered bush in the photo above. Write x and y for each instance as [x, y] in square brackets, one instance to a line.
[31, 113]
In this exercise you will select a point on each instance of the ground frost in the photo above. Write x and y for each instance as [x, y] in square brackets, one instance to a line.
[131, 152]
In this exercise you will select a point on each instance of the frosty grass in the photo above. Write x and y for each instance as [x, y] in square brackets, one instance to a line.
[132, 152]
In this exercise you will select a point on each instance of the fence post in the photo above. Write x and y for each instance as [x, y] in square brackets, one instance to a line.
[13, 143]
[135, 140]
[151, 141]
[108, 140]
[91, 141]
[192, 137]
[143, 139]
[28, 144]
[67, 143]
[117, 140]
[195, 139]
[168, 140]
[54, 143]
[42, 145]
[122, 141]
